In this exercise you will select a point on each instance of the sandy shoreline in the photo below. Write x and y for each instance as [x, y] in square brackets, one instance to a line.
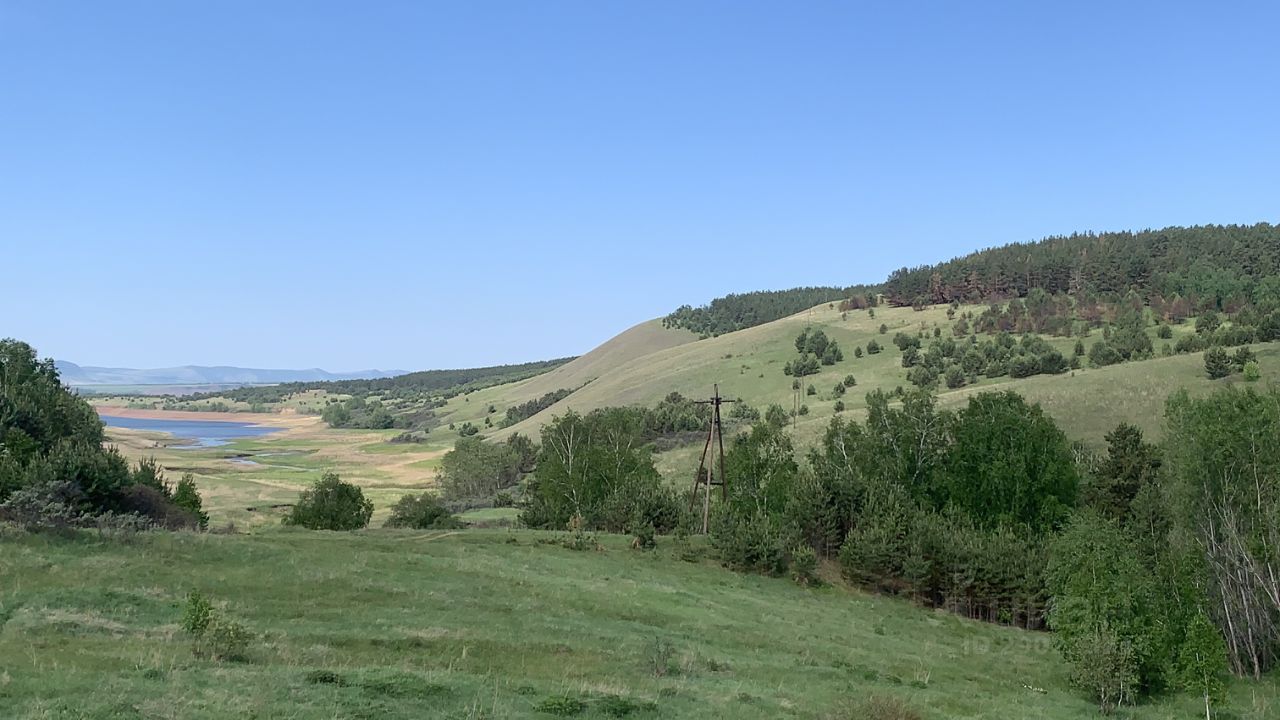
[273, 419]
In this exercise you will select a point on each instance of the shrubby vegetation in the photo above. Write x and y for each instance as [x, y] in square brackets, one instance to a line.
[740, 311]
[963, 362]
[533, 407]
[331, 504]
[475, 468]
[1154, 568]
[596, 471]
[357, 413]
[410, 386]
[815, 349]
[54, 472]
[422, 512]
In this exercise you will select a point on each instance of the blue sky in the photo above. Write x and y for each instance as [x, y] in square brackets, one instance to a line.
[429, 184]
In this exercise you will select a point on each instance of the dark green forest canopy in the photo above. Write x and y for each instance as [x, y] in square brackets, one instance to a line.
[444, 383]
[739, 311]
[1215, 264]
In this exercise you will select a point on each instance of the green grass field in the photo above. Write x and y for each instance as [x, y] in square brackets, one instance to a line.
[493, 624]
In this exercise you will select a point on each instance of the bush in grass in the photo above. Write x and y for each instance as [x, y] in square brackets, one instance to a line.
[225, 640]
[561, 705]
[619, 706]
[146, 501]
[422, 512]
[804, 566]
[876, 707]
[198, 614]
[213, 636]
[661, 657]
[643, 537]
[1252, 372]
[331, 504]
[45, 506]
[752, 542]
[187, 497]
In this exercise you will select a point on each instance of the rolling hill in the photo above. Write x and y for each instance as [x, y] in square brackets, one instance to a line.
[747, 364]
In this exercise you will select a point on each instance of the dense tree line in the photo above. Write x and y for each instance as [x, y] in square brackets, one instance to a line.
[1155, 568]
[54, 471]
[532, 407]
[476, 469]
[1213, 266]
[739, 311]
[414, 386]
[596, 472]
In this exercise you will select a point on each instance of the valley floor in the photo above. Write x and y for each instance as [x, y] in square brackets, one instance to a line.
[493, 624]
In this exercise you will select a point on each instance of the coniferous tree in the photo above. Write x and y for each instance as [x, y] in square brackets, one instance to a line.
[1217, 364]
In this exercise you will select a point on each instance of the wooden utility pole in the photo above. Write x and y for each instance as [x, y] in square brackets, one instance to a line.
[707, 474]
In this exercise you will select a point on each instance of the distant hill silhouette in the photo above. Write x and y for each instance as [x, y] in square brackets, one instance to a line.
[85, 375]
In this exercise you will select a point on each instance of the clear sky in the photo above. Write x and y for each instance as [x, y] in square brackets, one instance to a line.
[428, 184]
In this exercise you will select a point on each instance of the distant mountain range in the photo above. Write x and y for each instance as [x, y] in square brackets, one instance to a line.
[189, 375]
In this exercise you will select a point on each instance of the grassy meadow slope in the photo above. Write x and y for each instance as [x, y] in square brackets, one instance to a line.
[748, 365]
[495, 624]
[641, 366]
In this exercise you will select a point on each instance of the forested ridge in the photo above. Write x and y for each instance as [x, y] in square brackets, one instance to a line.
[1218, 264]
[739, 311]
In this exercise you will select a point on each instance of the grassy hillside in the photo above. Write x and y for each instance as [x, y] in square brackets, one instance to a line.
[494, 624]
[641, 366]
[748, 365]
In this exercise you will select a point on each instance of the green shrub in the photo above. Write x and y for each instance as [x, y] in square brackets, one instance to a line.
[199, 613]
[187, 497]
[421, 512]
[661, 657]
[225, 640]
[619, 706]
[212, 635]
[876, 707]
[1252, 372]
[643, 537]
[331, 504]
[804, 566]
[752, 543]
[561, 705]
[325, 677]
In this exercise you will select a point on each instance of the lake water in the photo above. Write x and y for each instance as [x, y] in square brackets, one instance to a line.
[200, 433]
